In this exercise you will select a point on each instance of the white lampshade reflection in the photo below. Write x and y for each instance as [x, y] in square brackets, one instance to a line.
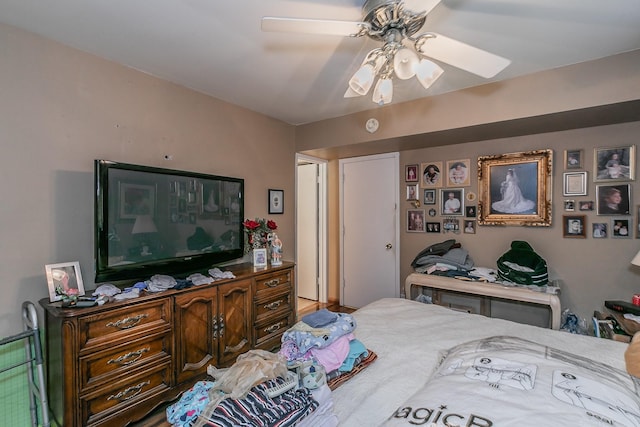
[404, 63]
[383, 91]
[362, 80]
[144, 224]
[428, 72]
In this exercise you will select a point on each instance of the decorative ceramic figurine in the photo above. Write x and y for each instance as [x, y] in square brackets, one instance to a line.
[276, 250]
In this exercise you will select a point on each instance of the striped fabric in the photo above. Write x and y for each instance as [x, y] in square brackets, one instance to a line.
[259, 410]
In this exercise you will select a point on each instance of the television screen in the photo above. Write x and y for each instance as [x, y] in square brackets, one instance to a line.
[160, 221]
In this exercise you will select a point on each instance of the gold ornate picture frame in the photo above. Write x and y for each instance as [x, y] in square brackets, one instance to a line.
[515, 188]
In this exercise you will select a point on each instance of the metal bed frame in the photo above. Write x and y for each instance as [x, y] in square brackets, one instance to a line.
[35, 360]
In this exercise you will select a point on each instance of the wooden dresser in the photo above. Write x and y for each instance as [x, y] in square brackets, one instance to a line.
[112, 364]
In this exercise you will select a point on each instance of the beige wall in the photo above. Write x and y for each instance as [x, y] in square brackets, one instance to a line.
[595, 104]
[590, 270]
[60, 109]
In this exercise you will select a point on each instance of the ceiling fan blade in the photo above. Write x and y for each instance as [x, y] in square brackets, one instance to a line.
[312, 26]
[464, 56]
[421, 5]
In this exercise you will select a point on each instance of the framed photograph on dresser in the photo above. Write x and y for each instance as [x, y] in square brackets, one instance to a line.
[64, 279]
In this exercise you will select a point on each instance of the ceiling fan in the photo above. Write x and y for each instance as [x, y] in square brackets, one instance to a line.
[397, 27]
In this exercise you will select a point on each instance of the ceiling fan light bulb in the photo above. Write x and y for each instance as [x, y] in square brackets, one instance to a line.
[428, 72]
[362, 80]
[404, 63]
[383, 92]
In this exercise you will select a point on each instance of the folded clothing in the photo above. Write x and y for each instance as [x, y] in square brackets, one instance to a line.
[320, 318]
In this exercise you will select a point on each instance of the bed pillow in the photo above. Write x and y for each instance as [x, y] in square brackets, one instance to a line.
[507, 381]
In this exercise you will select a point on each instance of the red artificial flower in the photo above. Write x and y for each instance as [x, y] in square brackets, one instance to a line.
[251, 224]
[271, 225]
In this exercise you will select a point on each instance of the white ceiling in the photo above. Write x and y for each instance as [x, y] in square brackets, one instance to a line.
[217, 47]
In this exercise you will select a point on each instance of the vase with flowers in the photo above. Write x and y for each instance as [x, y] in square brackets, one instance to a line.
[256, 232]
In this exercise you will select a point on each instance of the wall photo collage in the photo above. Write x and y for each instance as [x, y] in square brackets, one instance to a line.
[515, 189]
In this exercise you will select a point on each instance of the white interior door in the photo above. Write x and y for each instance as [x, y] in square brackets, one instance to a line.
[370, 224]
[307, 231]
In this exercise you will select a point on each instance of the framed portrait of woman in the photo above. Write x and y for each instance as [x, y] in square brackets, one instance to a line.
[613, 199]
[515, 189]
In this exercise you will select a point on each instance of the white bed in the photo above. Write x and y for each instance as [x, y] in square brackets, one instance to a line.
[409, 338]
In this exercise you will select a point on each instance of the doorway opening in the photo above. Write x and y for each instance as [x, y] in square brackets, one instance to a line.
[311, 231]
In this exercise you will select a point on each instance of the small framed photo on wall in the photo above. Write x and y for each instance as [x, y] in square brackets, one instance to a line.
[614, 163]
[458, 173]
[575, 184]
[573, 159]
[574, 226]
[429, 197]
[412, 192]
[452, 200]
[64, 279]
[433, 227]
[411, 173]
[613, 199]
[415, 220]
[620, 228]
[469, 226]
[276, 201]
[431, 174]
[599, 230]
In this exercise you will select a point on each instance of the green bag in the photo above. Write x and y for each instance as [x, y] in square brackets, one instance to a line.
[523, 266]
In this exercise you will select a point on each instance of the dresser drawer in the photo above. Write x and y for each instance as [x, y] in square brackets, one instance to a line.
[127, 323]
[274, 304]
[270, 328]
[107, 365]
[98, 405]
[272, 283]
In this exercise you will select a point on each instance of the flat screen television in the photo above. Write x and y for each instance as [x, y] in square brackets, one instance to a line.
[151, 220]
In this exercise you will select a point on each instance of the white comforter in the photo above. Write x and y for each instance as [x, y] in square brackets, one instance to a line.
[408, 338]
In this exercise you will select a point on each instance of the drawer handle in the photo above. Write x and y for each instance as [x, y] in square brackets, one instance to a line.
[129, 392]
[273, 327]
[272, 283]
[129, 358]
[128, 322]
[274, 305]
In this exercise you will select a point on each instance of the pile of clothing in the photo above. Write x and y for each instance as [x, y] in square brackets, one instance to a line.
[240, 396]
[450, 259]
[325, 340]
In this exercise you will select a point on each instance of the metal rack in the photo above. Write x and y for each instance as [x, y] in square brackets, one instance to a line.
[34, 361]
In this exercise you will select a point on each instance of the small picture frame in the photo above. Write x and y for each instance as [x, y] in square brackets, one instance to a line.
[431, 174]
[573, 159]
[452, 200]
[574, 226]
[415, 221]
[599, 230]
[575, 184]
[620, 228]
[260, 257]
[569, 205]
[470, 211]
[586, 205]
[276, 201]
[613, 199]
[64, 279]
[433, 227]
[459, 173]
[469, 227]
[429, 197]
[614, 163]
[412, 192]
[411, 173]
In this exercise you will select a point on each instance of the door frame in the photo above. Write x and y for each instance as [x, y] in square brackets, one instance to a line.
[322, 224]
[396, 157]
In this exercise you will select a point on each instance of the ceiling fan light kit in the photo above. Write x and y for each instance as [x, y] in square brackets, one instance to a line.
[390, 22]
